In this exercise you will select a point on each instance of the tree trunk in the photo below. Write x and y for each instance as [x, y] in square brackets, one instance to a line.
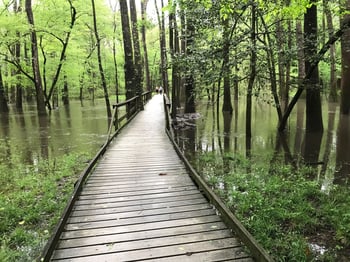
[189, 80]
[144, 45]
[40, 100]
[137, 52]
[313, 96]
[253, 58]
[227, 105]
[99, 58]
[162, 41]
[128, 53]
[65, 96]
[3, 102]
[345, 75]
[332, 54]
[19, 96]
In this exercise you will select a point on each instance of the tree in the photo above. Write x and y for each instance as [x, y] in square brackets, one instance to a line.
[144, 44]
[35, 60]
[345, 55]
[99, 59]
[3, 102]
[313, 98]
[137, 51]
[129, 70]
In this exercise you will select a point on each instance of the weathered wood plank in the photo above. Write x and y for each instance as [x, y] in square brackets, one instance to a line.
[159, 229]
[138, 207]
[97, 225]
[159, 252]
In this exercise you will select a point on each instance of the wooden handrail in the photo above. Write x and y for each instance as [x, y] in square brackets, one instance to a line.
[52, 242]
[228, 217]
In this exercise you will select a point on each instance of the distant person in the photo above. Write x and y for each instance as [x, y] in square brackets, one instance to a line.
[160, 90]
[157, 89]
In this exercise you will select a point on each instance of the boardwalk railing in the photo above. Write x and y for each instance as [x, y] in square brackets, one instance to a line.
[231, 221]
[131, 108]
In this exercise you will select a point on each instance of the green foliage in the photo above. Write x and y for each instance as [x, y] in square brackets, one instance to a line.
[31, 201]
[283, 209]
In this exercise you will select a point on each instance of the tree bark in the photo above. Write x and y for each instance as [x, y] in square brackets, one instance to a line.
[40, 100]
[144, 45]
[3, 102]
[99, 58]
[128, 53]
[345, 75]
[227, 105]
[313, 95]
[253, 58]
[137, 50]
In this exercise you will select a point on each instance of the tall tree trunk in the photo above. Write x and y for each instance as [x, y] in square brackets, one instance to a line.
[99, 58]
[128, 53]
[3, 102]
[19, 95]
[137, 51]
[313, 96]
[345, 54]
[144, 45]
[40, 99]
[332, 54]
[253, 58]
[227, 105]
[189, 79]
[162, 41]
[116, 78]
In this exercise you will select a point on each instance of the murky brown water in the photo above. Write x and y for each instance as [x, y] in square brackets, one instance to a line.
[29, 138]
[328, 151]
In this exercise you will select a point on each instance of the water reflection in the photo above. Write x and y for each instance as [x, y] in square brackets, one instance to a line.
[74, 128]
[324, 152]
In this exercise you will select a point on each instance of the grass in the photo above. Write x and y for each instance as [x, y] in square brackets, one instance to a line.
[31, 201]
[283, 209]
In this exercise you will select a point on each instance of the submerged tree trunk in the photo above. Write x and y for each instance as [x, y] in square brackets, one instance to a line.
[313, 97]
[227, 105]
[3, 102]
[65, 96]
[40, 100]
[332, 54]
[345, 75]
[253, 58]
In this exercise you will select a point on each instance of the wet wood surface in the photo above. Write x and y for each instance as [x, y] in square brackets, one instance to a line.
[140, 204]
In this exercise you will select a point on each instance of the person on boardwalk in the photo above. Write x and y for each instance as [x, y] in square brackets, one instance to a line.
[160, 90]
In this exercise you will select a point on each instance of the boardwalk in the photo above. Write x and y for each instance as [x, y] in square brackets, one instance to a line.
[140, 204]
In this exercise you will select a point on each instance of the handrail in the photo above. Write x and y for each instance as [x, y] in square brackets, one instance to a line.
[52, 242]
[228, 217]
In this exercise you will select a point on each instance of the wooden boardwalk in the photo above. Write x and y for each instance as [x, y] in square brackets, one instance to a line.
[140, 204]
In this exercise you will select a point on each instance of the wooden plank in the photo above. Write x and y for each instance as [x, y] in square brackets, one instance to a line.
[161, 229]
[138, 202]
[142, 244]
[138, 213]
[110, 226]
[138, 207]
[138, 197]
[159, 252]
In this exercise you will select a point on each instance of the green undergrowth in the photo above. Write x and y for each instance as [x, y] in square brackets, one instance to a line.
[31, 202]
[283, 208]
